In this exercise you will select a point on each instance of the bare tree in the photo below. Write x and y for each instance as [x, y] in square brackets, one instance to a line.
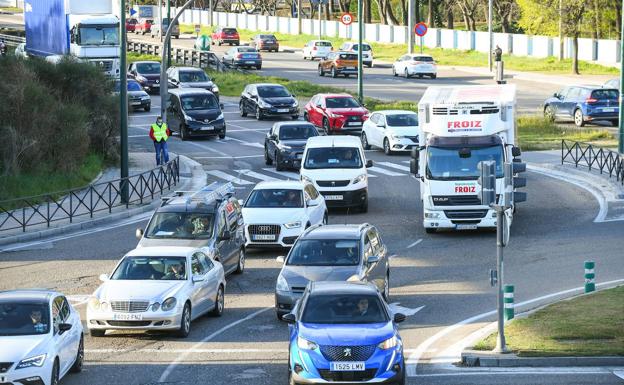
[431, 5]
[504, 9]
[469, 10]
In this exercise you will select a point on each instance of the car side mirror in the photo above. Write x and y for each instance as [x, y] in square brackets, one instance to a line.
[241, 202]
[226, 235]
[221, 106]
[372, 259]
[369, 163]
[273, 137]
[198, 278]
[289, 318]
[312, 203]
[254, 97]
[64, 327]
[399, 317]
[104, 277]
[138, 233]
[280, 259]
[515, 151]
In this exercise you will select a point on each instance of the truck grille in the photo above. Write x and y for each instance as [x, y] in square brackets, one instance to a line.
[264, 230]
[5, 366]
[333, 183]
[465, 214]
[129, 306]
[347, 353]
[456, 200]
[104, 65]
[364, 375]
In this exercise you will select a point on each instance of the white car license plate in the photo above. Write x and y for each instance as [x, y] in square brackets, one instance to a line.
[282, 110]
[466, 227]
[136, 103]
[250, 62]
[264, 237]
[357, 366]
[354, 124]
[609, 109]
[207, 128]
[333, 197]
[349, 68]
[127, 317]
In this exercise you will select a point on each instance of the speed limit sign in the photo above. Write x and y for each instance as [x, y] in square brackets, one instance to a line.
[346, 18]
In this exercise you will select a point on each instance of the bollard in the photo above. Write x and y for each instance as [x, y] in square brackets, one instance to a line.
[509, 301]
[590, 277]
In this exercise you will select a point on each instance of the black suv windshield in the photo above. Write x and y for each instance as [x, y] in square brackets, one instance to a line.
[273, 92]
[285, 198]
[325, 252]
[193, 76]
[344, 309]
[445, 163]
[402, 120]
[148, 68]
[24, 318]
[183, 225]
[333, 157]
[151, 268]
[296, 132]
[199, 102]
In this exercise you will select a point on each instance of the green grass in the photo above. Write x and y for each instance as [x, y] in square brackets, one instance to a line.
[590, 325]
[45, 181]
[11, 9]
[450, 57]
[134, 56]
[537, 133]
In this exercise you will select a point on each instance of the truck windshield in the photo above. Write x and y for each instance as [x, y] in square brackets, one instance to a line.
[447, 163]
[99, 35]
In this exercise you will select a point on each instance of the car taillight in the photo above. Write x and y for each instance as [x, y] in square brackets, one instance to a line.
[314, 48]
[239, 56]
[591, 100]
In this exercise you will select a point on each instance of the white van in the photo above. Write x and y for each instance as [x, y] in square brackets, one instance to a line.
[336, 165]
[367, 52]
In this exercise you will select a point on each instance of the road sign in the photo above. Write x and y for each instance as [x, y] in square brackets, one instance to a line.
[346, 18]
[420, 29]
[197, 28]
[132, 12]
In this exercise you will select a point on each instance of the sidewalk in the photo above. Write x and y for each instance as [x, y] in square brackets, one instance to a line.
[192, 177]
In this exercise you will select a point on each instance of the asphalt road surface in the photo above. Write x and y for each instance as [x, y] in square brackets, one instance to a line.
[441, 279]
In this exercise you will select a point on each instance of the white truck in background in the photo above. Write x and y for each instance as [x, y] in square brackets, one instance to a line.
[461, 126]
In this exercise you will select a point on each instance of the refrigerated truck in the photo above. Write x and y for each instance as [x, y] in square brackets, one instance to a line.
[461, 126]
[87, 30]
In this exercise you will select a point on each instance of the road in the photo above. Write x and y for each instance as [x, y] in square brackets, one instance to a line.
[444, 273]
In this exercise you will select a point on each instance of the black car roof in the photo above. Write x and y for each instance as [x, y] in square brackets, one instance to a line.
[341, 287]
[335, 232]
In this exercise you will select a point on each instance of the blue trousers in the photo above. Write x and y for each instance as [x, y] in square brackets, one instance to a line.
[161, 148]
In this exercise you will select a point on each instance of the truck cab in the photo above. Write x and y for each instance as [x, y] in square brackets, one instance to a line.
[462, 126]
[96, 39]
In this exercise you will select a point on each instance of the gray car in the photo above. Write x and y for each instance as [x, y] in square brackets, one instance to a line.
[191, 77]
[332, 253]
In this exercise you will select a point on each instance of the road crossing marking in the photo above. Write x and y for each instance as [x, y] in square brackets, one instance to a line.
[228, 177]
[287, 174]
[244, 143]
[256, 175]
[394, 165]
[414, 244]
[384, 171]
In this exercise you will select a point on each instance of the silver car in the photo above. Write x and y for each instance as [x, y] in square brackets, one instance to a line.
[332, 253]
[157, 288]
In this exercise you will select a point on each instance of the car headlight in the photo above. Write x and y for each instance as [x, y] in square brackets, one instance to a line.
[302, 343]
[145, 97]
[306, 179]
[31, 361]
[389, 343]
[285, 148]
[220, 116]
[332, 115]
[169, 304]
[141, 78]
[264, 104]
[293, 225]
[215, 89]
[296, 103]
[189, 118]
[94, 303]
[394, 136]
[359, 178]
[282, 284]
[155, 306]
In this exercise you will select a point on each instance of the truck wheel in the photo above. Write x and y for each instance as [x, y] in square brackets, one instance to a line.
[184, 135]
[364, 206]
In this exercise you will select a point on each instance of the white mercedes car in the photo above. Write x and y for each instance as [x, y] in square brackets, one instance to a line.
[277, 212]
[391, 130]
[41, 338]
[158, 288]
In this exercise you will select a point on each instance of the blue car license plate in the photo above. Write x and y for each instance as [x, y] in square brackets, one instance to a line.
[355, 366]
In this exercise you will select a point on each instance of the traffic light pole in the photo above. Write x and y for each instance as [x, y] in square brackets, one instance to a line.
[123, 105]
[501, 346]
[168, 18]
[621, 120]
[360, 73]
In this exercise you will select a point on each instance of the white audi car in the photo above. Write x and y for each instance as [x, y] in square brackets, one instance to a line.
[158, 288]
[391, 130]
[41, 338]
[277, 212]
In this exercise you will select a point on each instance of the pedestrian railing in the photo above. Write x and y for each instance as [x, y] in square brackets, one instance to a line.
[594, 158]
[12, 39]
[184, 56]
[67, 205]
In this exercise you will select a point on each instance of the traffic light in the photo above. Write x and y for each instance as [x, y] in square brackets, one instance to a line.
[414, 161]
[487, 181]
[511, 179]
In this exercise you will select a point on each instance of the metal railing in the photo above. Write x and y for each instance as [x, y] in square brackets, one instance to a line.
[12, 40]
[184, 56]
[587, 155]
[69, 204]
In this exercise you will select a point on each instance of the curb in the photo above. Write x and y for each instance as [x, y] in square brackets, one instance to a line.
[475, 358]
[192, 180]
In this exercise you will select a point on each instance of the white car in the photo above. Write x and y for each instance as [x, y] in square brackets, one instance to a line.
[41, 337]
[415, 65]
[367, 52]
[276, 213]
[317, 49]
[158, 288]
[391, 130]
[336, 166]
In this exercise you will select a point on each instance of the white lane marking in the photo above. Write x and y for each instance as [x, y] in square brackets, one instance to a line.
[394, 165]
[228, 177]
[183, 355]
[287, 174]
[207, 148]
[227, 157]
[396, 307]
[245, 143]
[619, 373]
[412, 361]
[414, 243]
[178, 351]
[384, 171]
[508, 371]
[256, 175]
[453, 353]
[405, 161]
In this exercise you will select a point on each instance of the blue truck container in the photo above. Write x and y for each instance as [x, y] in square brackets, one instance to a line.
[47, 27]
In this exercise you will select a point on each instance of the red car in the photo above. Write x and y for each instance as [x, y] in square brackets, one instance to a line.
[143, 26]
[131, 25]
[226, 35]
[336, 113]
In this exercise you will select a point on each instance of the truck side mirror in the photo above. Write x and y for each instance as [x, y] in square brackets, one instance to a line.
[515, 151]
[415, 155]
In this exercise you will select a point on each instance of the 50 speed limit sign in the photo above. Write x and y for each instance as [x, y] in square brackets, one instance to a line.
[346, 18]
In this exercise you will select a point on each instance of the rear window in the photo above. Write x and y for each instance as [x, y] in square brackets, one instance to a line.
[604, 94]
[246, 49]
[347, 56]
[365, 47]
[229, 30]
[423, 58]
[322, 44]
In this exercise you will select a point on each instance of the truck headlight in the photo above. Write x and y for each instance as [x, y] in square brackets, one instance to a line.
[140, 78]
[31, 361]
[389, 343]
[282, 285]
[359, 178]
[432, 215]
[169, 304]
[189, 118]
[220, 116]
[293, 225]
[302, 343]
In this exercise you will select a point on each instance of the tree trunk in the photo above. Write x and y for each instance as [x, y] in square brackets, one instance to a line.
[575, 69]
[618, 17]
[392, 19]
[449, 18]
[596, 29]
[404, 11]
[430, 11]
[368, 14]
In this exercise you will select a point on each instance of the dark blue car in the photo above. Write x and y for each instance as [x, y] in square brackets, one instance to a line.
[583, 104]
[344, 332]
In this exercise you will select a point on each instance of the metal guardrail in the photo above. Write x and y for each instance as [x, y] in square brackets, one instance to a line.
[12, 40]
[69, 204]
[587, 155]
[184, 56]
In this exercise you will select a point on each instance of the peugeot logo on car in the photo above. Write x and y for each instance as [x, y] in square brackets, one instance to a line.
[333, 184]
[347, 352]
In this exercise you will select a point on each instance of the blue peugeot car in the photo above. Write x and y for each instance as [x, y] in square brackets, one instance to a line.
[583, 104]
[344, 332]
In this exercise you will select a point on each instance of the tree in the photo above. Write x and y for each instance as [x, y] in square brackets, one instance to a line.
[450, 19]
[469, 9]
[574, 11]
[504, 9]
[386, 13]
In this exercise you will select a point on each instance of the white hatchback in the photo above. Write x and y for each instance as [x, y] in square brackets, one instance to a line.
[41, 337]
[276, 213]
[367, 52]
[415, 65]
[317, 49]
[391, 130]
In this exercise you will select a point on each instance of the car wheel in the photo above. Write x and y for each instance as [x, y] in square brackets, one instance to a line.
[364, 206]
[306, 117]
[77, 366]
[241, 108]
[320, 71]
[364, 140]
[279, 165]
[549, 113]
[185, 322]
[222, 135]
[259, 115]
[258, 68]
[386, 147]
[386, 288]
[430, 230]
[433, 76]
[406, 74]
[420, 76]
[326, 126]
[148, 108]
[219, 303]
[241, 262]
[579, 120]
[325, 218]
[267, 160]
[394, 71]
[232, 63]
[96, 333]
[333, 72]
[54, 376]
[184, 135]
[615, 122]
[295, 117]
[220, 43]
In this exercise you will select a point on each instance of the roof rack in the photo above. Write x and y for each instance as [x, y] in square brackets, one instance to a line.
[207, 194]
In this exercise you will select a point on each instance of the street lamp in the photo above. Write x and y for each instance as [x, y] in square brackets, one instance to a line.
[360, 73]
[123, 105]
[621, 120]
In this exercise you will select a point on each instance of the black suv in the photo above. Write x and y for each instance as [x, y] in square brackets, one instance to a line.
[210, 218]
[268, 100]
[284, 143]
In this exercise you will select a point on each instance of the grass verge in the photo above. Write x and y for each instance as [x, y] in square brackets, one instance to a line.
[537, 133]
[451, 57]
[590, 325]
[45, 181]
[11, 9]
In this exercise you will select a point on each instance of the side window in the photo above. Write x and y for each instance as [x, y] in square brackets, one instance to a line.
[231, 216]
[573, 93]
[375, 241]
[564, 92]
[196, 266]
[221, 223]
[311, 192]
[373, 118]
[368, 251]
[381, 120]
[205, 262]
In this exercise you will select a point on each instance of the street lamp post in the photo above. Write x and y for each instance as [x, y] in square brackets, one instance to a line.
[411, 13]
[621, 120]
[490, 34]
[123, 105]
[168, 18]
[360, 73]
